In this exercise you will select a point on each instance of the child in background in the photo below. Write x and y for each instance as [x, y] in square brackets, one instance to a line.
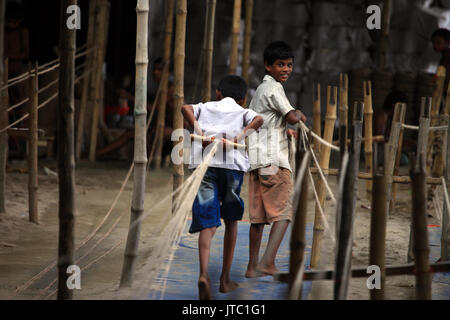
[270, 180]
[219, 193]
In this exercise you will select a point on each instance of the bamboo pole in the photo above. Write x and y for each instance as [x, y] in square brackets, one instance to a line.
[390, 152]
[445, 233]
[140, 144]
[162, 101]
[397, 168]
[298, 234]
[434, 116]
[343, 112]
[235, 33]
[378, 221]
[179, 57]
[100, 57]
[247, 39]
[325, 152]
[447, 101]
[33, 147]
[346, 214]
[66, 154]
[419, 222]
[383, 43]
[316, 114]
[87, 79]
[209, 50]
[3, 110]
[440, 147]
[368, 116]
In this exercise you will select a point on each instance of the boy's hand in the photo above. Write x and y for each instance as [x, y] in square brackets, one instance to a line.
[291, 133]
[301, 115]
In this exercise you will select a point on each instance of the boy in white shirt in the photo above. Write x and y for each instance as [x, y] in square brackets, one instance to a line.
[219, 193]
[270, 179]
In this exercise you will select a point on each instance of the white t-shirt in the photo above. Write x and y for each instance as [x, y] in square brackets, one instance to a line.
[224, 118]
[270, 145]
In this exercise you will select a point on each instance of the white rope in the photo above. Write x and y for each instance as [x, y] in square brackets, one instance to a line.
[410, 127]
[318, 138]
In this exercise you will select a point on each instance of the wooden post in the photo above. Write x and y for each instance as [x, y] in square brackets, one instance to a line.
[235, 33]
[346, 216]
[343, 112]
[140, 144]
[397, 168]
[3, 110]
[209, 49]
[422, 146]
[390, 152]
[419, 222]
[383, 43]
[325, 152]
[447, 101]
[440, 147]
[88, 77]
[316, 114]
[179, 57]
[33, 147]
[434, 116]
[368, 116]
[445, 226]
[66, 153]
[100, 57]
[378, 232]
[247, 39]
[162, 101]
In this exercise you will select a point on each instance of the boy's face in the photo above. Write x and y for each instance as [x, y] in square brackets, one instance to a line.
[439, 44]
[281, 69]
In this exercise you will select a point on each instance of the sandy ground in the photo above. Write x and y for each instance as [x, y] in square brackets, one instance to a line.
[26, 248]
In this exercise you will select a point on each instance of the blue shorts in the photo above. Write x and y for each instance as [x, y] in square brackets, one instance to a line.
[218, 197]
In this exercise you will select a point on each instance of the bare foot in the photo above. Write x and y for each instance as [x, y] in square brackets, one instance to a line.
[204, 291]
[227, 286]
[267, 270]
[253, 273]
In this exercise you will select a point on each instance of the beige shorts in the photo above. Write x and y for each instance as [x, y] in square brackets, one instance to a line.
[270, 196]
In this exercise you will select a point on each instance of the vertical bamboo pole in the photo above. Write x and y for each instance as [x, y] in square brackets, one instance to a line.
[316, 114]
[397, 168]
[235, 32]
[66, 154]
[298, 234]
[162, 101]
[440, 136]
[445, 234]
[247, 39]
[324, 161]
[343, 112]
[33, 147]
[390, 152]
[422, 146]
[419, 223]
[140, 144]
[434, 116]
[88, 77]
[100, 57]
[209, 50]
[447, 101]
[368, 116]
[378, 221]
[179, 57]
[347, 213]
[3, 110]
[383, 42]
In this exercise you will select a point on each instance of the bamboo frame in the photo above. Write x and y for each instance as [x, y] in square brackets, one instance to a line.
[235, 33]
[325, 152]
[66, 154]
[88, 77]
[4, 121]
[160, 122]
[247, 39]
[140, 144]
[33, 147]
[441, 148]
[445, 234]
[179, 57]
[419, 223]
[316, 115]
[343, 112]
[100, 57]
[208, 51]
[368, 143]
[346, 210]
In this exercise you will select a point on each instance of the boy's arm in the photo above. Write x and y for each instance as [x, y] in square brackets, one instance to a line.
[188, 113]
[294, 116]
[254, 125]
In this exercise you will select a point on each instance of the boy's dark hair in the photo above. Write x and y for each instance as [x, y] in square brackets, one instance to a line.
[442, 32]
[233, 86]
[277, 50]
[394, 97]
